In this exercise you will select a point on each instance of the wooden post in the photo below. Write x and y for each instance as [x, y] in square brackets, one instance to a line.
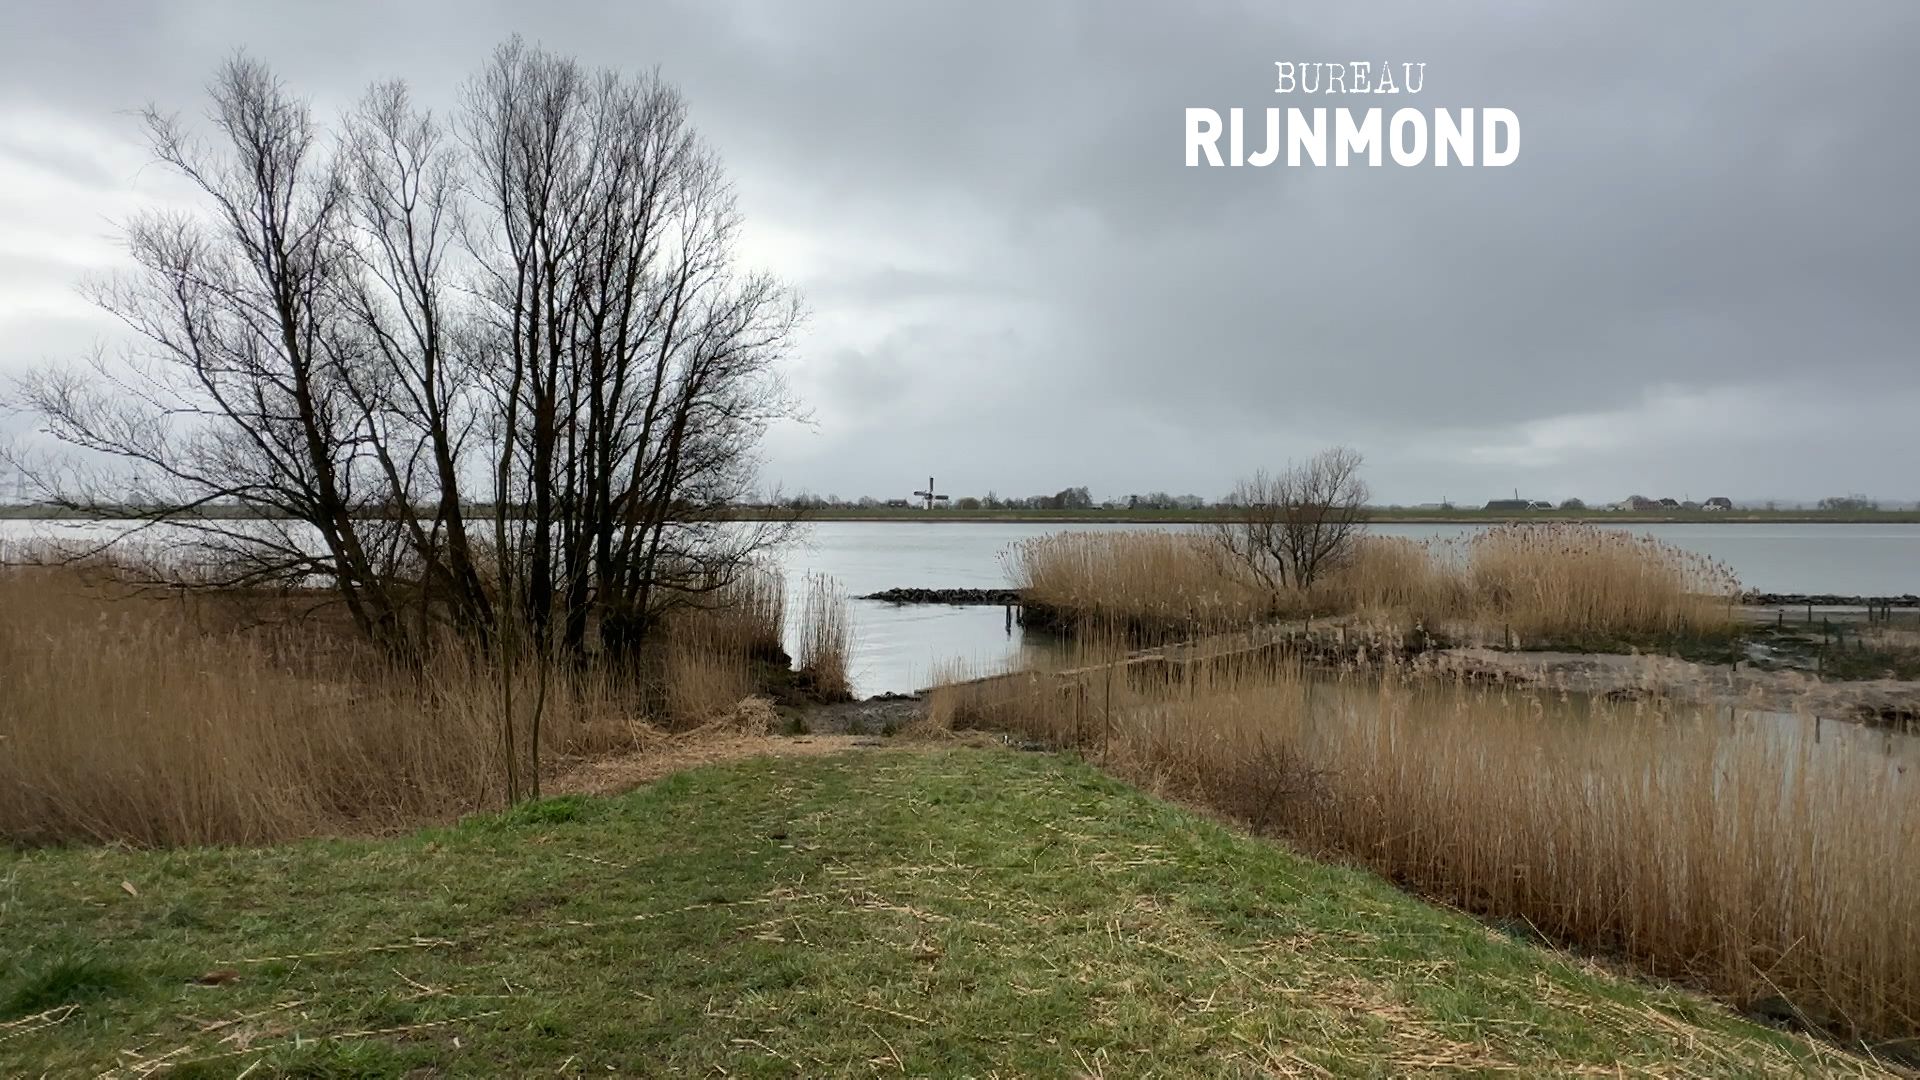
[1079, 699]
[1106, 716]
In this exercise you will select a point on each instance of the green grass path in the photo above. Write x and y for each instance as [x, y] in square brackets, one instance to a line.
[895, 912]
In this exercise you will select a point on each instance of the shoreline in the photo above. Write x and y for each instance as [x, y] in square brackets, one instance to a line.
[990, 597]
[1381, 516]
[1375, 517]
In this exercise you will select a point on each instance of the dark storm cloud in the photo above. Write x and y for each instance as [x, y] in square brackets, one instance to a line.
[1702, 260]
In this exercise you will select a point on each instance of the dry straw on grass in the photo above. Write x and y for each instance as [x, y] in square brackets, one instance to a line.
[1716, 847]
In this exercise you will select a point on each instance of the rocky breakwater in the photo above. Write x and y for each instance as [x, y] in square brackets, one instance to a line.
[1760, 599]
[974, 597]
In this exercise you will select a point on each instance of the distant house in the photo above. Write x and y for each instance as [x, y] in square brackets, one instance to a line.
[1540, 504]
[1719, 502]
[1641, 502]
[1510, 504]
[898, 503]
[1670, 504]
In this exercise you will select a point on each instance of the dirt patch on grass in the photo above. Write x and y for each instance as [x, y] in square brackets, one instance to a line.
[624, 772]
[758, 729]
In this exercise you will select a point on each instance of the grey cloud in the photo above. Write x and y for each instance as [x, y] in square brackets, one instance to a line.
[1017, 284]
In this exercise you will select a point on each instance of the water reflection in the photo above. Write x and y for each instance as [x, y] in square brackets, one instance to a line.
[1335, 698]
[903, 648]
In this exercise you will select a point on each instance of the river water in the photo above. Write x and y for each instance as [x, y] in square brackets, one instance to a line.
[899, 648]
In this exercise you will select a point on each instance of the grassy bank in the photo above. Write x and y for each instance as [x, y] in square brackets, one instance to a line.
[1697, 842]
[948, 913]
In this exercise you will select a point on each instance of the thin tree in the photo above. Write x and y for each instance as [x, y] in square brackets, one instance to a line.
[351, 336]
[1289, 528]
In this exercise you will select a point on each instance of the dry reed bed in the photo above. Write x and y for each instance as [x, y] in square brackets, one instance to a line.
[826, 640]
[715, 646]
[1775, 870]
[1560, 582]
[1151, 582]
[1577, 582]
[160, 720]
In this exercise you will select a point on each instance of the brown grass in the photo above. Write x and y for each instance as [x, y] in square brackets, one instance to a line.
[714, 647]
[1575, 582]
[1397, 580]
[169, 719]
[1714, 847]
[1562, 583]
[826, 640]
[1150, 584]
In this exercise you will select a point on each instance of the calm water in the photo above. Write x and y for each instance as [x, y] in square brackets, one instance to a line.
[898, 648]
[1332, 699]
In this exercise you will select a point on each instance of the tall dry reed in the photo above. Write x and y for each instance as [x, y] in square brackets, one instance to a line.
[1731, 849]
[1150, 584]
[163, 720]
[1576, 582]
[1396, 580]
[826, 640]
[717, 640]
[748, 614]
[1532, 584]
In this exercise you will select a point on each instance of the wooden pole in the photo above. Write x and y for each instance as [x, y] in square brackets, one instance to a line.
[1106, 716]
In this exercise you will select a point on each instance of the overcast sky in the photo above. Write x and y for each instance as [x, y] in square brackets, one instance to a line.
[1699, 277]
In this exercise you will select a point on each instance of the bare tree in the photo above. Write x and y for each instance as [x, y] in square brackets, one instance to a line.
[240, 389]
[1290, 527]
[634, 362]
[539, 304]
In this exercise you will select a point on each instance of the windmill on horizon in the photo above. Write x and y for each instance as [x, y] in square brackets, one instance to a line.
[929, 495]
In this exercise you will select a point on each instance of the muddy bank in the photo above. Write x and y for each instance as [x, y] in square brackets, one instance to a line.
[1892, 703]
[1750, 599]
[881, 715]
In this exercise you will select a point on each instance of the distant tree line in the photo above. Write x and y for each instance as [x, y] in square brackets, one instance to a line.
[1074, 498]
[1080, 498]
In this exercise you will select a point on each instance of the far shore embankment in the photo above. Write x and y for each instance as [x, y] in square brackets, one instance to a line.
[1378, 515]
